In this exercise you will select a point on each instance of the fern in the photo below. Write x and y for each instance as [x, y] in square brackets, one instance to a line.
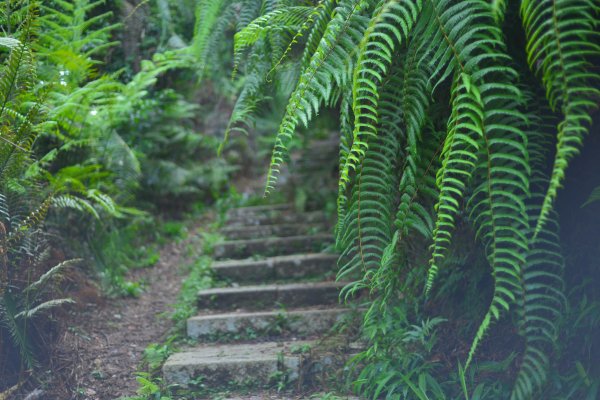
[543, 301]
[387, 29]
[368, 221]
[331, 62]
[465, 129]
[436, 133]
[561, 36]
[594, 196]
[208, 13]
[276, 22]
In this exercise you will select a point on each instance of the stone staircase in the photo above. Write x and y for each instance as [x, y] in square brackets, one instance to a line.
[280, 298]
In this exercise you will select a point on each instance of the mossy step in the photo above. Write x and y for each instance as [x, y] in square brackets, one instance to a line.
[272, 246]
[299, 322]
[293, 266]
[256, 364]
[270, 296]
[279, 230]
[277, 217]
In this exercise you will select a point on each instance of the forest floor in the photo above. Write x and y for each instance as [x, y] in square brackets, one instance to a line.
[102, 347]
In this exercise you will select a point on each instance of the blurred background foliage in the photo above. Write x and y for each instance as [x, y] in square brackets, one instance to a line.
[108, 125]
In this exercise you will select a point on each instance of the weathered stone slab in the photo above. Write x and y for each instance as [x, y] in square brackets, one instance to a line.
[243, 364]
[272, 246]
[280, 230]
[254, 210]
[270, 296]
[299, 322]
[275, 268]
[277, 217]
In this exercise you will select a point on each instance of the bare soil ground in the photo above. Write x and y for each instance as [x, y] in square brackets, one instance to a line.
[103, 345]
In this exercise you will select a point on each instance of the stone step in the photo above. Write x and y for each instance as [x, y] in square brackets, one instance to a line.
[277, 217]
[272, 246]
[280, 230]
[267, 297]
[299, 322]
[256, 364]
[255, 210]
[274, 268]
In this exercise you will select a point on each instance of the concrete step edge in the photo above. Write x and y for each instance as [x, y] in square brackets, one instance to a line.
[304, 321]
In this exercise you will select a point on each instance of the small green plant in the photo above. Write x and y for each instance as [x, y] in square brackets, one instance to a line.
[155, 354]
[300, 349]
[173, 230]
[210, 240]
[280, 378]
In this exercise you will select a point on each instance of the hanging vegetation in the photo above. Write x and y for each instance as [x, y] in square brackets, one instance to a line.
[458, 120]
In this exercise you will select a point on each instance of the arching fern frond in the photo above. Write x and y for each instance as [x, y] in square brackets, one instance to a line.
[324, 12]
[497, 205]
[543, 301]
[369, 219]
[290, 19]
[208, 13]
[417, 184]
[388, 28]
[249, 97]
[459, 158]
[331, 64]
[562, 36]
[346, 128]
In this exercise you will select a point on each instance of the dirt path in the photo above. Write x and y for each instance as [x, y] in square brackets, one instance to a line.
[104, 343]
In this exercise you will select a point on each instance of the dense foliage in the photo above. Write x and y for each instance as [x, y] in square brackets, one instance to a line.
[89, 146]
[458, 120]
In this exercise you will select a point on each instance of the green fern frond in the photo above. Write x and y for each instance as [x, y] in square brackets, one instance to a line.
[36, 287]
[330, 64]
[75, 203]
[497, 205]
[325, 11]
[290, 19]
[562, 36]
[46, 305]
[459, 158]
[17, 73]
[388, 28]
[543, 301]
[498, 10]
[542, 308]
[34, 218]
[594, 196]
[208, 13]
[248, 99]
[17, 327]
[369, 220]
[249, 11]
[346, 129]
[417, 185]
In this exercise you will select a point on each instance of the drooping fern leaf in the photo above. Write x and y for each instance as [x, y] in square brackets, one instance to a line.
[542, 301]
[497, 206]
[288, 19]
[562, 36]
[459, 157]
[330, 64]
[594, 196]
[324, 11]
[208, 13]
[388, 28]
[369, 219]
[416, 182]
